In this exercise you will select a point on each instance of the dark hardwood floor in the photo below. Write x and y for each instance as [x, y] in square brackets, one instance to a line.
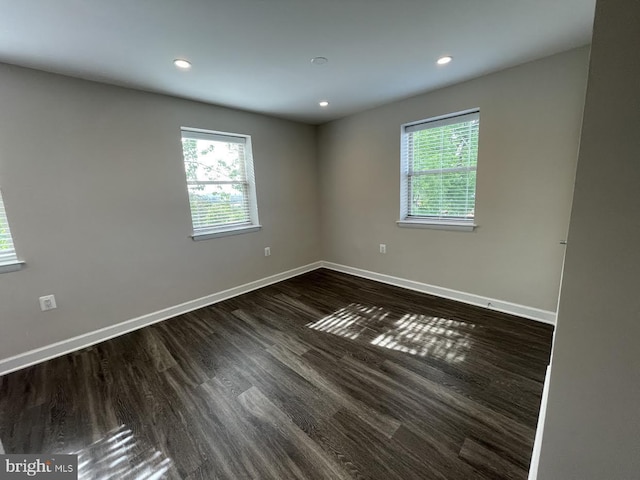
[323, 376]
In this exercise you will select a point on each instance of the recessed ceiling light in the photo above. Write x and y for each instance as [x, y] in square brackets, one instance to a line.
[444, 60]
[323, 103]
[319, 60]
[182, 64]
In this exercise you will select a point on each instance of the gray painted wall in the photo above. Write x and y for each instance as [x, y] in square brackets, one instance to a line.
[529, 131]
[592, 428]
[93, 181]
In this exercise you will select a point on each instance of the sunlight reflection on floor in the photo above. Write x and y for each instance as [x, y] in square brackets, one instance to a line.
[420, 335]
[350, 321]
[119, 456]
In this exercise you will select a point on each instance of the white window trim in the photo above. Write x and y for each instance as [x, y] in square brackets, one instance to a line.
[232, 229]
[407, 221]
[227, 231]
[12, 266]
[437, 225]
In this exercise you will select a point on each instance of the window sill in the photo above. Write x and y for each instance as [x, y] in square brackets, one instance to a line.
[13, 266]
[444, 225]
[225, 233]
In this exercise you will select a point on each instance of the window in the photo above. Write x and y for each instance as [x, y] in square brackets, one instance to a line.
[438, 177]
[220, 180]
[7, 250]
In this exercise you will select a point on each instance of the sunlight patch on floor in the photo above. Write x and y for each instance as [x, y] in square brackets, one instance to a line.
[350, 321]
[119, 455]
[415, 334]
[423, 336]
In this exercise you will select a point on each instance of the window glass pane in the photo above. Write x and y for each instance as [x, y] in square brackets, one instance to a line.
[220, 180]
[216, 205]
[450, 146]
[440, 158]
[443, 195]
[208, 160]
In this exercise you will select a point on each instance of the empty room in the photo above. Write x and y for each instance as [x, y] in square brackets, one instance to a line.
[353, 239]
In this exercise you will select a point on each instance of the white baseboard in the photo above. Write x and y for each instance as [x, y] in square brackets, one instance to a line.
[531, 313]
[48, 352]
[537, 444]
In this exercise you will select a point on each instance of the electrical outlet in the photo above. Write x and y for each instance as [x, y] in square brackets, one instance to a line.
[383, 248]
[48, 302]
[267, 251]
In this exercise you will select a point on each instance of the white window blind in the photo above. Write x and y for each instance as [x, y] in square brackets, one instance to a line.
[220, 181]
[439, 162]
[7, 250]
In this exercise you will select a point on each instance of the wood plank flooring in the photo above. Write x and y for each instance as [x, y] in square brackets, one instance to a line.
[323, 376]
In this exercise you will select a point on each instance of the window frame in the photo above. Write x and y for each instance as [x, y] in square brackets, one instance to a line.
[248, 183]
[9, 261]
[425, 221]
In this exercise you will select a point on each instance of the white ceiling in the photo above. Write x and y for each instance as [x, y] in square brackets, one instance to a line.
[255, 54]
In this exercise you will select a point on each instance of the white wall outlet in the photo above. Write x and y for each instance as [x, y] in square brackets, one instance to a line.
[48, 302]
[383, 248]
[267, 251]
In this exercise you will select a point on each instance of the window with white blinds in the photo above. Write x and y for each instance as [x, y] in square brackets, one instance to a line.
[220, 181]
[439, 162]
[7, 250]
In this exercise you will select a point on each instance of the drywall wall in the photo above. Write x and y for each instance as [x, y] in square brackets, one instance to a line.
[94, 184]
[592, 427]
[529, 130]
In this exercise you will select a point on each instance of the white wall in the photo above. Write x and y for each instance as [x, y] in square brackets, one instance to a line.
[529, 130]
[93, 181]
[592, 427]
